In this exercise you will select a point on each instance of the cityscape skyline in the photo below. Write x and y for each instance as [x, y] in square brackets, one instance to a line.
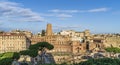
[97, 16]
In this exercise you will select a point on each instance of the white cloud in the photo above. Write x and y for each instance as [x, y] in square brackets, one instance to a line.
[64, 15]
[67, 27]
[79, 11]
[64, 11]
[98, 10]
[60, 15]
[68, 13]
[14, 11]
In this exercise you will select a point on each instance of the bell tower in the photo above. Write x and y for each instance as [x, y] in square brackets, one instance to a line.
[49, 29]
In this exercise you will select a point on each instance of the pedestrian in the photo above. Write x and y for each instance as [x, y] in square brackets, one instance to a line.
[32, 60]
[15, 62]
[35, 61]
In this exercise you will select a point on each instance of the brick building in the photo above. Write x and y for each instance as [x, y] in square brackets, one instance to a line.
[68, 44]
[13, 42]
[65, 44]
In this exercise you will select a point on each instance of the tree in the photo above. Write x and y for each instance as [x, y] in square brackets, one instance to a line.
[16, 55]
[113, 49]
[43, 33]
[7, 58]
[41, 46]
[33, 49]
[32, 53]
[6, 61]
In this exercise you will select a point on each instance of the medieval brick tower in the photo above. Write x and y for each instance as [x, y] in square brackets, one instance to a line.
[49, 30]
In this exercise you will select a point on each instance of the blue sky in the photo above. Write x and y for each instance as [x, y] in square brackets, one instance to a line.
[99, 16]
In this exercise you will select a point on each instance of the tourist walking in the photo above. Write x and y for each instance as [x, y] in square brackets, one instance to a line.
[35, 61]
[15, 62]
